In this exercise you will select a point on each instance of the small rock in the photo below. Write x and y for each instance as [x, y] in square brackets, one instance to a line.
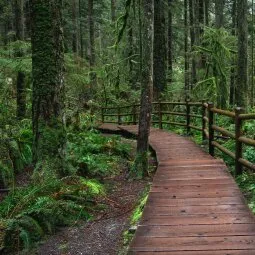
[132, 229]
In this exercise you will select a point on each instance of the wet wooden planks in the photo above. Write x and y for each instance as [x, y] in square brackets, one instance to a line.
[194, 206]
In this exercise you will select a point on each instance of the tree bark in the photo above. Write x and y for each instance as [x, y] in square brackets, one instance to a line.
[207, 3]
[113, 10]
[233, 69]
[170, 41]
[242, 62]
[160, 51]
[48, 83]
[141, 162]
[219, 11]
[75, 34]
[92, 55]
[192, 42]
[20, 82]
[186, 57]
[81, 30]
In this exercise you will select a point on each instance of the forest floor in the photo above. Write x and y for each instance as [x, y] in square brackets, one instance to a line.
[104, 234]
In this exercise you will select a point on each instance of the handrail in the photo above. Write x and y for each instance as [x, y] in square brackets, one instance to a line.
[207, 129]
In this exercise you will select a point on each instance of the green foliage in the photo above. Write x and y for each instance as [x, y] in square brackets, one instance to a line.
[218, 46]
[27, 214]
[92, 154]
[137, 214]
[246, 181]
[15, 150]
[140, 165]
[6, 175]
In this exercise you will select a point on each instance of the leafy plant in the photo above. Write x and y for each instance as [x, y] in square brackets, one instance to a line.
[27, 214]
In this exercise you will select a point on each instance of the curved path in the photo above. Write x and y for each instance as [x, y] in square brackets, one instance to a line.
[194, 205]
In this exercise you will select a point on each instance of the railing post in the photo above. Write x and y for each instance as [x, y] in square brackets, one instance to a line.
[203, 120]
[188, 116]
[211, 131]
[160, 115]
[119, 117]
[102, 114]
[134, 115]
[239, 147]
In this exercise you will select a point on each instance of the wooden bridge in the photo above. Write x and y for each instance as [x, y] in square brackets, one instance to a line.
[194, 205]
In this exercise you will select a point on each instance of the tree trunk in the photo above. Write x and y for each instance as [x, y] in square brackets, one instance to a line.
[170, 41]
[160, 51]
[233, 69]
[242, 62]
[141, 162]
[81, 30]
[92, 56]
[130, 53]
[192, 42]
[20, 83]
[252, 56]
[186, 57]
[113, 10]
[48, 83]
[219, 11]
[207, 2]
[75, 39]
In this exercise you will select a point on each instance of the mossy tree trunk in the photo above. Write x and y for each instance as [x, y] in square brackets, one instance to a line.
[160, 50]
[92, 54]
[219, 14]
[170, 41]
[141, 162]
[113, 10]
[20, 82]
[192, 42]
[48, 83]
[75, 35]
[186, 51]
[233, 66]
[242, 58]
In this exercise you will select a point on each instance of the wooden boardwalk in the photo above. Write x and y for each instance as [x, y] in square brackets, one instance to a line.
[194, 205]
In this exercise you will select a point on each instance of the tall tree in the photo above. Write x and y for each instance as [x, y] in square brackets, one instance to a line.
[160, 50]
[207, 3]
[20, 83]
[170, 40]
[192, 40]
[92, 55]
[233, 68]
[186, 53]
[48, 83]
[113, 10]
[242, 62]
[219, 13]
[146, 65]
[75, 34]
[81, 29]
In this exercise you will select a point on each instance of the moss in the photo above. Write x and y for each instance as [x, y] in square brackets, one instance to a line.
[134, 219]
[140, 166]
[137, 214]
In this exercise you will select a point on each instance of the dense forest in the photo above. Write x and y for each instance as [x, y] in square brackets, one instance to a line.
[61, 61]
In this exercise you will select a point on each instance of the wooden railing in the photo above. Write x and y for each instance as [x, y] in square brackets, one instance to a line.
[189, 111]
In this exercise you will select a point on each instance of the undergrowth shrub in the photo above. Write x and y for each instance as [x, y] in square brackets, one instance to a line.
[15, 150]
[93, 154]
[246, 182]
[29, 213]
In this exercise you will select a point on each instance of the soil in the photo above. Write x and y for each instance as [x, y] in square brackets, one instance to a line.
[103, 235]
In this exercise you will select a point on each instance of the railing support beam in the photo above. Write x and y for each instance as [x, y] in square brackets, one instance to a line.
[239, 145]
[211, 131]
